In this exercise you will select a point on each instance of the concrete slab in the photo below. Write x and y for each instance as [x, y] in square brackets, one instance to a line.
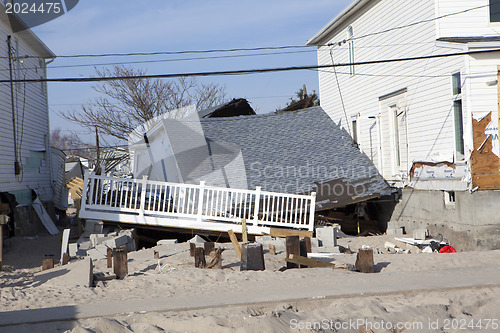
[166, 241]
[78, 273]
[95, 254]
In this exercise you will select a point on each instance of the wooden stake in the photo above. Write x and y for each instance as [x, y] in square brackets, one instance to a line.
[109, 257]
[364, 261]
[209, 247]
[305, 248]
[244, 231]
[47, 263]
[215, 260]
[120, 262]
[292, 247]
[192, 248]
[252, 258]
[65, 259]
[236, 245]
[199, 258]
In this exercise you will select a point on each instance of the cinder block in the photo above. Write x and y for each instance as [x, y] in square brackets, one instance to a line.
[103, 249]
[327, 235]
[72, 249]
[118, 241]
[263, 239]
[392, 225]
[95, 255]
[131, 246]
[394, 231]
[166, 241]
[93, 227]
[420, 234]
[314, 242]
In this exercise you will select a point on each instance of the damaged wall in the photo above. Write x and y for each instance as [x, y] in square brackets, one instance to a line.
[468, 223]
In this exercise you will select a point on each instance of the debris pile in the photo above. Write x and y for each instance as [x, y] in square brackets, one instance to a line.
[97, 239]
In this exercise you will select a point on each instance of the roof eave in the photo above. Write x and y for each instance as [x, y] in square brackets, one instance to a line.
[336, 21]
[29, 36]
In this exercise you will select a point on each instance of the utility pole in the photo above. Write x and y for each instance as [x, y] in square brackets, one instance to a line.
[17, 166]
[98, 162]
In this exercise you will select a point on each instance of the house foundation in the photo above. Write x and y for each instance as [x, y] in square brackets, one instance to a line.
[469, 221]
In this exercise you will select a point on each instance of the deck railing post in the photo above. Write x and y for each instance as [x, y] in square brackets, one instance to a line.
[256, 205]
[200, 201]
[144, 184]
[311, 211]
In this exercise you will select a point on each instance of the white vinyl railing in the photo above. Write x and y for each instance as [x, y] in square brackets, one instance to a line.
[143, 197]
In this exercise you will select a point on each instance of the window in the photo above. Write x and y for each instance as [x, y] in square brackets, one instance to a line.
[395, 116]
[350, 34]
[494, 10]
[355, 131]
[458, 115]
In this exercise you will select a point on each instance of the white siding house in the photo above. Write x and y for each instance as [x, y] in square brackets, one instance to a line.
[25, 162]
[419, 120]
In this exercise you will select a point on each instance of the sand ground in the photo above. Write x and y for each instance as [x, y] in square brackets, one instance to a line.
[475, 306]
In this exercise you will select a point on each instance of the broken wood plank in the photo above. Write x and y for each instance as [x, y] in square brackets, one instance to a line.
[236, 245]
[272, 249]
[364, 261]
[199, 258]
[244, 231]
[309, 262]
[292, 247]
[120, 262]
[215, 260]
[277, 232]
[252, 258]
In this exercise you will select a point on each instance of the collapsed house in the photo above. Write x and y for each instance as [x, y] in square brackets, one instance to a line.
[296, 152]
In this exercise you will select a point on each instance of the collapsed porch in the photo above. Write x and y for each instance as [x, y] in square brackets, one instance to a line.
[193, 207]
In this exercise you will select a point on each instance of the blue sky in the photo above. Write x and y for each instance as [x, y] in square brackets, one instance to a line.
[117, 26]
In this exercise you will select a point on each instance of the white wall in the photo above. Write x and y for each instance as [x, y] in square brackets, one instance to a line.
[32, 122]
[428, 82]
[470, 23]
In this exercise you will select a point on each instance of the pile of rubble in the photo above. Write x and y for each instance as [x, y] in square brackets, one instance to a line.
[97, 239]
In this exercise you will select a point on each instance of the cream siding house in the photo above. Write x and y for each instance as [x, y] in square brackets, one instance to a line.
[24, 121]
[429, 125]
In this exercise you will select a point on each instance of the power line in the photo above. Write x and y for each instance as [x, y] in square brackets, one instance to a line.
[248, 71]
[178, 52]
[179, 59]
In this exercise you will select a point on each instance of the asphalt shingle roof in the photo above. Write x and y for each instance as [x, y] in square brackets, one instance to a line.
[291, 151]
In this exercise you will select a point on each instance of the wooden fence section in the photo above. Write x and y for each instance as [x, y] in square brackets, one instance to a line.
[143, 201]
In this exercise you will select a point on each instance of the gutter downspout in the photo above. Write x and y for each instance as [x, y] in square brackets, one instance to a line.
[17, 166]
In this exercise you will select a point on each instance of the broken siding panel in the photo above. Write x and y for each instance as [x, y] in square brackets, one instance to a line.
[471, 23]
[430, 117]
[485, 163]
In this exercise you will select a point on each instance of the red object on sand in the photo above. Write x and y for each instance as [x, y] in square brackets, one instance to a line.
[447, 249]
